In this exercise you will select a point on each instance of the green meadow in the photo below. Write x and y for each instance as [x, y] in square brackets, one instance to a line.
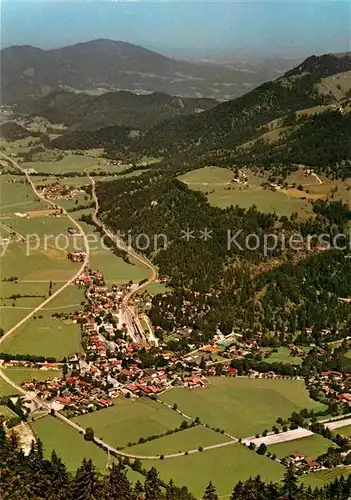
[221, 192]
[242, 406]
[127, 421]
[311, 446]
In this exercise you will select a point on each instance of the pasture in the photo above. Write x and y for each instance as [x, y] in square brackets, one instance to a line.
[69, 163]
[343, 431]
[20, 375]
[282, 356]
[46, 336]
[319, 478]
[16, 196]
[223, 466]
[6, 389]
[128, 420]
[69, 445]
[114, 269]
[189, 439]
[242, 406]
[221, 191]
[6, 412]
[29, 264]
[32, 294]
[311, 446]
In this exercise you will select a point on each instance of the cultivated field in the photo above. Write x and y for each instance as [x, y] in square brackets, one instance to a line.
[127, 421]
[189, 439]
[311, 446]
[224, 466]
[242, 406]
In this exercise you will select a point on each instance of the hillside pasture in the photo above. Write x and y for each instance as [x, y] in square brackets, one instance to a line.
[222, 191]
[242, 406]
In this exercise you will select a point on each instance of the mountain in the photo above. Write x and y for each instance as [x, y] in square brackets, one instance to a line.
[82, 111]
[106, 65]
[241, 119]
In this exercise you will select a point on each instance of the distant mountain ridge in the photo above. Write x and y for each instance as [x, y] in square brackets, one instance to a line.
[116, 65]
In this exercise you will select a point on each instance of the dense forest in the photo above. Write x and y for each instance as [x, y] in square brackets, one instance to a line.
[34, 477]
[233, 283]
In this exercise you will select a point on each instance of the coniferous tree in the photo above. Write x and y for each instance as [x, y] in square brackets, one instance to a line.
[85, 485]
[119, 485]
[152, 485]
[210, 492]
[290, 484]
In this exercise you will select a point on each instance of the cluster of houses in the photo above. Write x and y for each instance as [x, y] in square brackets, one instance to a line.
[57, 192]
[112, 364]
[335, 385]
[76, 256]
[303, 462]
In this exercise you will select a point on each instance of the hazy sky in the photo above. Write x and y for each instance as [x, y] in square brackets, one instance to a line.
[201, 27]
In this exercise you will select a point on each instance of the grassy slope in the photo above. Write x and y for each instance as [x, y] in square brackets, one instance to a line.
[217, 179]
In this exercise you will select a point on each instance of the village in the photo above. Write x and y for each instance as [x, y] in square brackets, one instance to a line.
[117, 364]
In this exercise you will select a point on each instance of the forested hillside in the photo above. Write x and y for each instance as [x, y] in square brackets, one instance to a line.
[236, 121]
[237, 284]
[320, 141]
[81, 111]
